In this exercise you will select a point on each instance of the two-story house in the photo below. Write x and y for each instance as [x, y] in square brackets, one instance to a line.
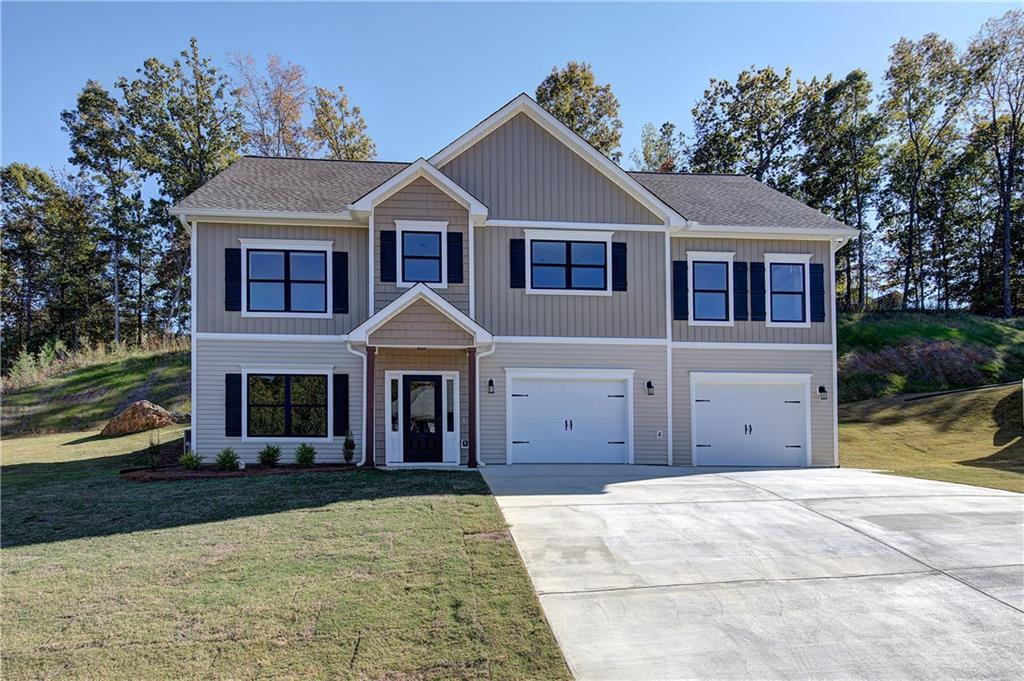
[517, 297]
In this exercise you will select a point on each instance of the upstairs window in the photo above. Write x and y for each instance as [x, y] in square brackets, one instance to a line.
[421, 257]
[787, 283]
[710, 291]
[569, 265]
[286, 281]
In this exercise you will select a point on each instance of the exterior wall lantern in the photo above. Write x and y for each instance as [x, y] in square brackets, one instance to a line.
[822, 392]
[650, 388]
[490, 386]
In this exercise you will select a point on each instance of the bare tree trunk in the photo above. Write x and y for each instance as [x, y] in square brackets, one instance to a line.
[908, 267]
[1007, 302]
[139, 301]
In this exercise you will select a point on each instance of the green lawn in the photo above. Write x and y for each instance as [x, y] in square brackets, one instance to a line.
[397, 575]
[975, 438]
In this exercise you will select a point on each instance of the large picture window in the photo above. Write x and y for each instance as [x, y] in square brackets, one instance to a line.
[789, 304]
[569, 265]
[286, 281]
[287, 405]
[711, 291]
[421, 257]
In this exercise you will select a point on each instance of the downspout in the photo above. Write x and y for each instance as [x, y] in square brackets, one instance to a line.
[192, 330]
[668, 346]
[362, 400]
[479, 454]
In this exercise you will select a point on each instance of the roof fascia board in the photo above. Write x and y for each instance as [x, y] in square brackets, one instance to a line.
[761, 232]
[417, 169]
[272, 215]
[361, 333]
[524, 104]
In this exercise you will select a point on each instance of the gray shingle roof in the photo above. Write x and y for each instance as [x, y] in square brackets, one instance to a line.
[256, 183]
[731, 200]
[293, 185]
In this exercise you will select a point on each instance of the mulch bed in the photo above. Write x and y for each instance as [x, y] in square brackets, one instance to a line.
[203, 473]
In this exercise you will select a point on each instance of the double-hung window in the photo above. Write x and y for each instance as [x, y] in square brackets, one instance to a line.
[787, 286]
[283, 280]
[287, 405]
[710, 288]
[558, 263]
[422, 254]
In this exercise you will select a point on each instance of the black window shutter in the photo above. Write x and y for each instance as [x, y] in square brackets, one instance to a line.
[517, 263]
[341, 425]
[232, 279]
[232, 405]
[387, 256]
[739, 291]
[680, 291]
[618, 266]
[454, 257]
[757, 291]
[339, 286]
[817, 292]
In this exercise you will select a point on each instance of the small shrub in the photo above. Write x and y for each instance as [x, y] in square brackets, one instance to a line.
[227, 460]
[270, 455]
[190, 461]
[153, 450]
[305, 455]
[349, 447]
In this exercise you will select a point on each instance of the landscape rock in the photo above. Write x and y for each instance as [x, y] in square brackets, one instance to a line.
[139, 416]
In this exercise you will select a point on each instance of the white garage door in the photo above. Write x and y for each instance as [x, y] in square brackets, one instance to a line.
[740, 421]
[568, 420]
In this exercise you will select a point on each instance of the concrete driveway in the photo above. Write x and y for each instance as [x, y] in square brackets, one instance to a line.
[657, 573]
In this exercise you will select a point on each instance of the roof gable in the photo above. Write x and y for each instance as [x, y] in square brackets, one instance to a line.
[420, 169]
[420, 292]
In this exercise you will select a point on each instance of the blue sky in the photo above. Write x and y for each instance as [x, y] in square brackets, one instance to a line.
[425, 73]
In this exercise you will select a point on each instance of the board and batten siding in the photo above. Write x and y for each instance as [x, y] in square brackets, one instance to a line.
[521, 172]
[816, 362]
[420, 200]
[421, 324]
[420, 361]
[216, 357]
[650, 413]
[753, 250]
[638, 312]
[213, 238]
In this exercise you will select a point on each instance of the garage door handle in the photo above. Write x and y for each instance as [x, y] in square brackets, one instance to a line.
[616, 442]
[565, 425]
[570, 424]
[520, 442]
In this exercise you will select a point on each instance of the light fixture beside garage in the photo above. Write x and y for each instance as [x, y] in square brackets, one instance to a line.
[650, 388]
[822, 392]
[490, 386]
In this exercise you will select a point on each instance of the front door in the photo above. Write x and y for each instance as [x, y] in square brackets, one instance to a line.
[422, 432]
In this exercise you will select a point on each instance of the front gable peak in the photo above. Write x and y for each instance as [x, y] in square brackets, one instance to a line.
[421, 168]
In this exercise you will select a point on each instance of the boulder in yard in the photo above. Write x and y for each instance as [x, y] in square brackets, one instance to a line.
[139, 416]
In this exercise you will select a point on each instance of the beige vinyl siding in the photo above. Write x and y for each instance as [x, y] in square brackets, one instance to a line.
[638, 312]
[421, 324]
[420, 361]
[753, 250]
[521, 172]
[649, 411]
[215, 358]
[420, 200]
[213, 238]
[816, 362]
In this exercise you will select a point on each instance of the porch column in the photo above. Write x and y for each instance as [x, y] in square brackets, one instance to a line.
[471, 357]
[369, 435]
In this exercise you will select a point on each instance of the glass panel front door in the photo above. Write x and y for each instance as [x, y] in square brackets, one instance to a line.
[423, 430]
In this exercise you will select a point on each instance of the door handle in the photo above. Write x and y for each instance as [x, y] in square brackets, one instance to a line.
[570, 424]
[565, 426]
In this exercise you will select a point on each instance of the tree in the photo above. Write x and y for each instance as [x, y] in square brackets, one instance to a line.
[751, 126]
[997, 55]
[573, 96]
[273, 104]
[341, 129]
[926, 89]
[101, 143]
[841, 163]
[661, 149]
[188, 127]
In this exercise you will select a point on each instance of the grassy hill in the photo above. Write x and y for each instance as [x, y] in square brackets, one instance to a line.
[889, 353]
[85, 398]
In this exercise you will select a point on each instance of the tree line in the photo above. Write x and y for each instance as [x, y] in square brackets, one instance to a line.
[929, 168]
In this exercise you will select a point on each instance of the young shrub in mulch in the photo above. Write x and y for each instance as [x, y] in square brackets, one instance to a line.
[227, 460]
[190, 461]
[349, 447]
[270, 455]
[153, 450]
[305, 455]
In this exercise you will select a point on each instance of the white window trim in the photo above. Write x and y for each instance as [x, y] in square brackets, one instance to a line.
[787, 259]
[451, 450]
[421, 226]
[284, 245]
[568, 235]
[301, 369]
[711, 256]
